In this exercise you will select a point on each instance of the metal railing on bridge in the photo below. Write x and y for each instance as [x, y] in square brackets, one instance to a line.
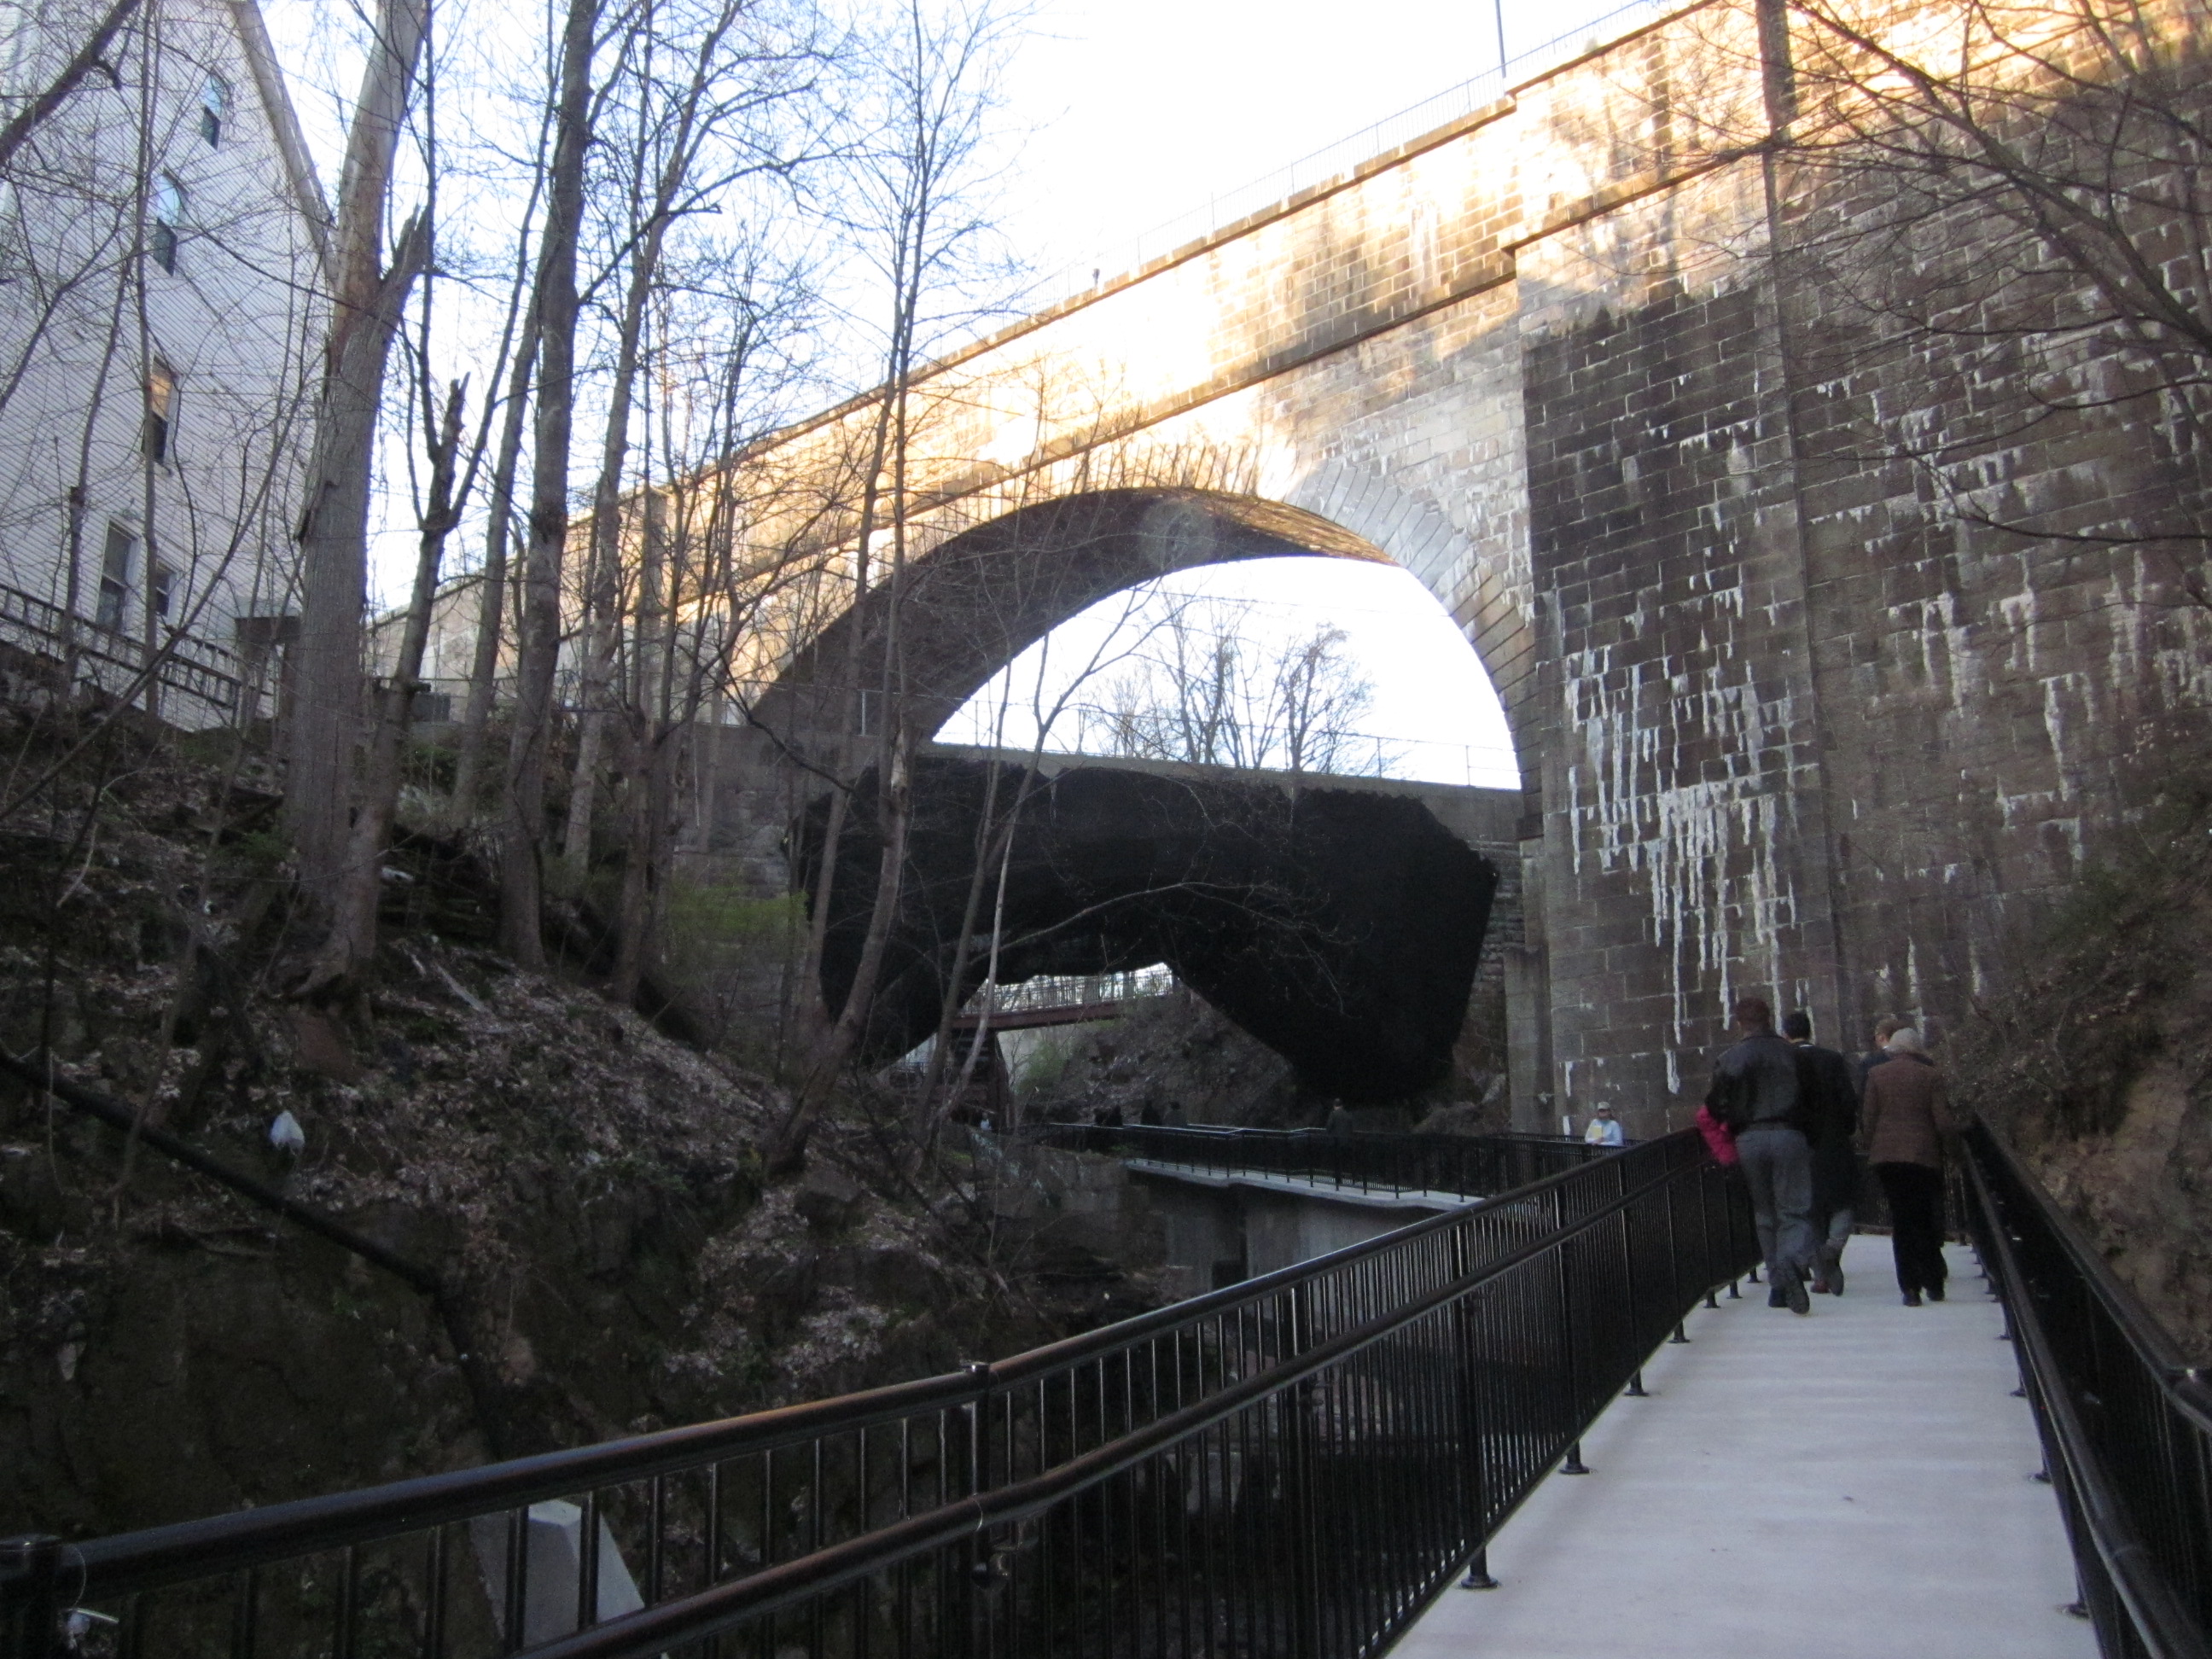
[1292, 1465]
[2126, 1423]
[1400, 1165]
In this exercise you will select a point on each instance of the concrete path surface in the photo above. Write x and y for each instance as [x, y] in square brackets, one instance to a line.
[1853, 1485]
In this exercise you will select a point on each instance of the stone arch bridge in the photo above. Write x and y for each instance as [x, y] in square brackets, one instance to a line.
[1783, 728]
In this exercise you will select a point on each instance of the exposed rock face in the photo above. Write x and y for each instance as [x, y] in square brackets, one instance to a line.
[2096, 1059]
[587, 1188]
[1341, 929]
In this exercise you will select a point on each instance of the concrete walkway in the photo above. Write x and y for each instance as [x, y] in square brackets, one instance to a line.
[1850, 1486]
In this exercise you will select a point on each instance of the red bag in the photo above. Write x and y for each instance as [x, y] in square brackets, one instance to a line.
[1720, 1139]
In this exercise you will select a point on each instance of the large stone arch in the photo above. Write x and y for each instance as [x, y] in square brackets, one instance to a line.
[980, 597]
[1486, 599]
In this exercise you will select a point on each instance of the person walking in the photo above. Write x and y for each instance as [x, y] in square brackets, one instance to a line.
[1754, 1092]
[1604, 1129]
[1903, 1120]
[1884, 1029]
[1824, 1078]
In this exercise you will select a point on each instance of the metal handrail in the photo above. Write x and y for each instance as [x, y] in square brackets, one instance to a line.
[182, 662]
[2127, 1441]
[713, 1612]
[1047, 1408]
[1469, 1166]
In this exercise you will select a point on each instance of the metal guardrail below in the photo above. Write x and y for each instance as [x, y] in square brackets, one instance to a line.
[112, 662]
[2126, 1424]
[1292, 1465]
[1062, 990]
[1474, 1166]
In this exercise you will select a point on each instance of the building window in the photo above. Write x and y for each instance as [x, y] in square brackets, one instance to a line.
[161, 408]
[168, 202]
[115, 578]
[214, 103]
[159, 580]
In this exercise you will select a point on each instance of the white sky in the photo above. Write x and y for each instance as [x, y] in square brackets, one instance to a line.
[1431, 700]
[1131, 113]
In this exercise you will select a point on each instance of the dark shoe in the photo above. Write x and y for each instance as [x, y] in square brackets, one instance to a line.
[1793, 1285]
[1913, 1298]
[1819, 1287]
[1775, 1299]
[1836, 1278]
[1934, 1292]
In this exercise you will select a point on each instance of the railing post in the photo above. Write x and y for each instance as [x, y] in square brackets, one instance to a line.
[30, 1606]
[971, 1583]
[1574, 1392]
[1306, 1610]
[1473, 1483]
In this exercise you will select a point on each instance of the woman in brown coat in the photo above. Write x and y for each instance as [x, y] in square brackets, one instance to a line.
[1903, 1119]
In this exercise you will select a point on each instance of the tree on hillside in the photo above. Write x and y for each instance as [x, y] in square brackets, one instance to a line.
[368, 296]
[915, 210]
[1200, 691]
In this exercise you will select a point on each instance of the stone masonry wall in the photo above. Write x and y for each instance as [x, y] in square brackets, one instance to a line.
[1791, 723]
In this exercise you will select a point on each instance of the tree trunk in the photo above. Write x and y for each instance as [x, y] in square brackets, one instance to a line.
[491, 611]
[334, 528]
[352, 941]
[93, 54]
[645, 769]
[828, 1064]
[522, 844]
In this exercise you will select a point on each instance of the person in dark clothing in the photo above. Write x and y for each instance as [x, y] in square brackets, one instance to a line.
[1903, 1122]
[1754, 1092]
[1830, 1114]
[1884, 1029]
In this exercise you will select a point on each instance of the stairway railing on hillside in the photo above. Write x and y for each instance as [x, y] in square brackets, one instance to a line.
[1291, 1465]
[1470, 1166]
[2126, 1423]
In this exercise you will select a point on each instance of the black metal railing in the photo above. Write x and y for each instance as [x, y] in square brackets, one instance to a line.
[2126, 1424]
[111, 660]
[1292, 1465]
[1472, 1166]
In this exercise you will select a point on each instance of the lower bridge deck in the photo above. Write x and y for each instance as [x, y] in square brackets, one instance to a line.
[1853, 1484]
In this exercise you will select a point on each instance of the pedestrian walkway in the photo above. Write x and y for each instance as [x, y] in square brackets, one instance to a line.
[1856, 1485]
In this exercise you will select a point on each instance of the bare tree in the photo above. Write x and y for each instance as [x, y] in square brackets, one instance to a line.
[554, 310]
[2015, 195]
[698, 129]
[43, 105]
[1199, 692]
[366, 304]
[917, 217]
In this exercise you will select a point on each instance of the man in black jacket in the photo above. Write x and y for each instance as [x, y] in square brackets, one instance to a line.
[1828, 1110]
[1755, 1093]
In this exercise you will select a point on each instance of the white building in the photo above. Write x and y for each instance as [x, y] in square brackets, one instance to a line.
[161, 237]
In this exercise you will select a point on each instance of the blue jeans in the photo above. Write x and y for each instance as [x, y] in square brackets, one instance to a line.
[1777, 1167]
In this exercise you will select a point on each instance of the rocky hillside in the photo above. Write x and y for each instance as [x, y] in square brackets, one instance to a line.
[1177, 1050]
[587, 1190]
[2097, 1061]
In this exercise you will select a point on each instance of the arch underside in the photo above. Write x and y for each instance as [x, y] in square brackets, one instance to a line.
[1342, 929]
[978, 600]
